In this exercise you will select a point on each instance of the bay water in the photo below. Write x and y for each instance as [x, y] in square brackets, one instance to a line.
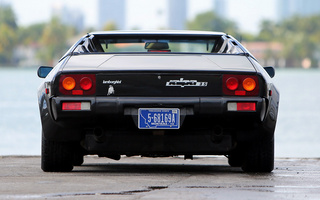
[297, 132]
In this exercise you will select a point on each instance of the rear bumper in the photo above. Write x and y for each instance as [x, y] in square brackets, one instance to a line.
[110, 126]
[124, 106]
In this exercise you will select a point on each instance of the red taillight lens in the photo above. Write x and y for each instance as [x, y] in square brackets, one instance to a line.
[159, 50]
[77, 84]
[232, 83]
[71, 106]
[86, 83]
[246, 106]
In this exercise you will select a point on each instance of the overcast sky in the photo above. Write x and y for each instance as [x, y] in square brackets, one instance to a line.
[147, 14]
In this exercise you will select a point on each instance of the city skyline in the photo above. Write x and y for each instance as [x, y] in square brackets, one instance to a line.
[115, 14]
[288, 8]
[146, 14]
[177, 17]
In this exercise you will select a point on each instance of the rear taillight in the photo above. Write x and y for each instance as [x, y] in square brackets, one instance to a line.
[77, 84]
[249, 84]
[76, 106]
[232, 83]
[240, 85]
[241, 106]
[86, 83]
[68, 83]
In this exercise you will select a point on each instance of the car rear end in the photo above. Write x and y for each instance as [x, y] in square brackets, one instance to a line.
[156, 113]
[163, 104]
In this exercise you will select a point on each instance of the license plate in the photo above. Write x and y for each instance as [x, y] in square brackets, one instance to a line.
[159, 118]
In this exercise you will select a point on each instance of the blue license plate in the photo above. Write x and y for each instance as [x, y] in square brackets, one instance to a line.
[159, 118]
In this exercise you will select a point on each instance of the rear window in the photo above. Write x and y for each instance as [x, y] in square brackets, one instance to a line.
[157, 44]
[183, 46]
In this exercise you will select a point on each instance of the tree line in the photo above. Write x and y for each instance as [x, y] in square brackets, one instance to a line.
[299, 36]
[49, 40]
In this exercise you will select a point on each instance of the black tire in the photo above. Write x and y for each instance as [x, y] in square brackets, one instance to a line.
[56, 156]
[259, 156]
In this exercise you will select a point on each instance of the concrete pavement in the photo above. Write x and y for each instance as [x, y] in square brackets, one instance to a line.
[158, 178]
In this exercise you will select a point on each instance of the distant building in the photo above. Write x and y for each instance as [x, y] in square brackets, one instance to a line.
[220, 7]
[268, 53]
[112, 11]
[288, 8]
[70, 17]
[177, 14]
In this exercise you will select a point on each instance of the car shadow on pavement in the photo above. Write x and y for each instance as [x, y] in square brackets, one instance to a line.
[156, 168]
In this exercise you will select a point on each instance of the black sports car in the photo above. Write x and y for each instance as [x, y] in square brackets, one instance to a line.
[157, 94]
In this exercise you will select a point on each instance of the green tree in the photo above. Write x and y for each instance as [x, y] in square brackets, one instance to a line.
[110, 26]
[209, 21]
[300, 37]
[267, 31]
[7, 16]
[8, 34]
[54, 41]
[31, 34]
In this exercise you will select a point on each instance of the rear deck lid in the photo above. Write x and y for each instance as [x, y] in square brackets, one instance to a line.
[161, 62]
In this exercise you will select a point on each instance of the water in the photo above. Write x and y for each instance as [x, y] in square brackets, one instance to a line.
[20, 127]
[298, 128]
[297, 133]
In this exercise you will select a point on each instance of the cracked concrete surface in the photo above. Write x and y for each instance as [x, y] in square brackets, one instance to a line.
[158, 178]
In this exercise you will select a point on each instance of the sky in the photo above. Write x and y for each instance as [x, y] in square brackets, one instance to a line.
[147, 14]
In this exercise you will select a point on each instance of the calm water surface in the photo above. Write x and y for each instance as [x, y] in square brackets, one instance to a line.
[297, 133]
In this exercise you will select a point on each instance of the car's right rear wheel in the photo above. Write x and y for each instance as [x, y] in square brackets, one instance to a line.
[259, 156]
[56, 156]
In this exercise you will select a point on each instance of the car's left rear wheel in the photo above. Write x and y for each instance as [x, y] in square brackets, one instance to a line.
[56, 156]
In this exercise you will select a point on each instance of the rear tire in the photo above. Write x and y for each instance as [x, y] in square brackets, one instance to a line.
[56, 156]
[259, 156]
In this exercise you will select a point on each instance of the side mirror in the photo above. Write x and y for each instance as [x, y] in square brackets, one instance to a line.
[43, 71]
[270, 70]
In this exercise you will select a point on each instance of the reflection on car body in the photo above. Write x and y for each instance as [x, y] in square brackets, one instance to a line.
[162, 93]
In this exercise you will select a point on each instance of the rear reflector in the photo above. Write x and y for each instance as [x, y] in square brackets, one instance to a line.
[242, 106]
[240, 93]
[77, 92]
[76, 106]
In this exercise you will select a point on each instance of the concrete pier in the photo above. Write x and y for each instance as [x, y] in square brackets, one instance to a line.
[158, 178]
